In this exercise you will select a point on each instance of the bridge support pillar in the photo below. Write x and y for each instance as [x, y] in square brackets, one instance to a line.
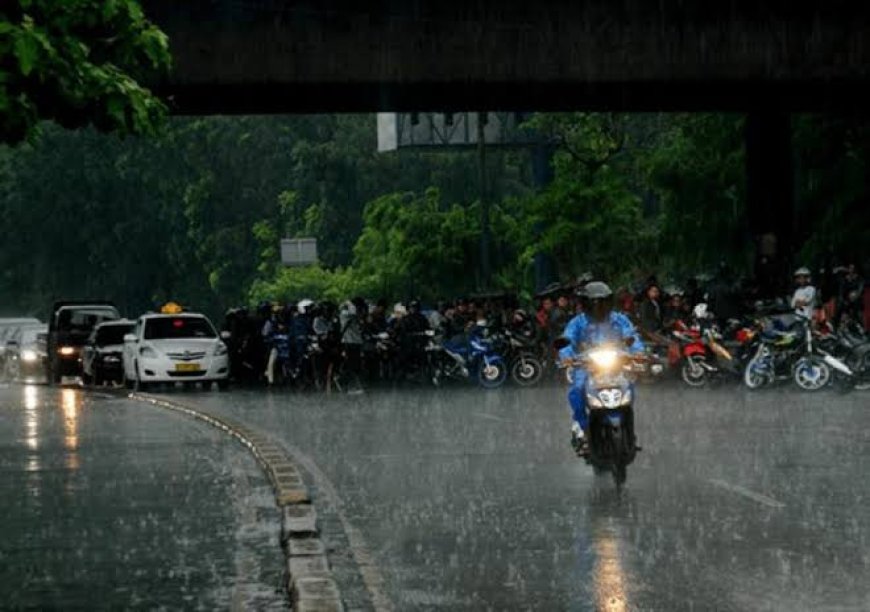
[770, 197]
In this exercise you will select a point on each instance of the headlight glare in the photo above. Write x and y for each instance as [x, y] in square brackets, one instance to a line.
[603, 358]
[29, 356]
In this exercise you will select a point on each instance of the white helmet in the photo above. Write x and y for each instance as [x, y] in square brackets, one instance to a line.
[802, 271]
[700, 311]
[399, 310]
[303, 306]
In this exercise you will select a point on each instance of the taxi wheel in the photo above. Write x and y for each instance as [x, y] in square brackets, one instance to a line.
[138, 385]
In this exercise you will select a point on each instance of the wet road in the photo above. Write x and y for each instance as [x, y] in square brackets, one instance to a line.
[462, 499]
[111, 504]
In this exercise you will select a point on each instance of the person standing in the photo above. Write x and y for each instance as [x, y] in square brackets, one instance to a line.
[804, 298]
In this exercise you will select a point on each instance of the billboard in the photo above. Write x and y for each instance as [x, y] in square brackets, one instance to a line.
[298, 251]
[434, 130]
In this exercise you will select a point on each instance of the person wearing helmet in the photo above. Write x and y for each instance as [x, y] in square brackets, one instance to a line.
[675, 308]
[804, 298]
[598, 323]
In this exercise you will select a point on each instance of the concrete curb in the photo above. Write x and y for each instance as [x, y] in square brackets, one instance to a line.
[309, 583]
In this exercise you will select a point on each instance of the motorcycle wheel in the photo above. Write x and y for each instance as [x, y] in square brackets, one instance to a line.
[693, 373]
[526, 370]
[752, 378]
[812, 374]
[493, 375]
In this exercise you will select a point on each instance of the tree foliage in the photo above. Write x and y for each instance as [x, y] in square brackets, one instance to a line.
[78, 62]
[196, 212]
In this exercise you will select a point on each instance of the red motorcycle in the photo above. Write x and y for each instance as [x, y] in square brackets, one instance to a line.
[706, 354]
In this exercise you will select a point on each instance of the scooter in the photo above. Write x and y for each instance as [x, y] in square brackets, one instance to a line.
[706, 357]
[610, 394]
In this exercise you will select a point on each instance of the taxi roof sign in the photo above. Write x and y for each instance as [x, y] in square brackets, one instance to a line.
[170, 308]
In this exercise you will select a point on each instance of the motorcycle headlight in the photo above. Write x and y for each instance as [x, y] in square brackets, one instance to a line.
[603, 358]
[220, 349]
[29, 356]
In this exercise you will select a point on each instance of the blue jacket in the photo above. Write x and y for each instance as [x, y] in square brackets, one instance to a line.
[581, 331]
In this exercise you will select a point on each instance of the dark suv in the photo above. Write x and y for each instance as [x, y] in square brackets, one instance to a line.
[69, 327]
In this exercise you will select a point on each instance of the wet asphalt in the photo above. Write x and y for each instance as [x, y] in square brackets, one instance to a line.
[111, 504]
[462, 499]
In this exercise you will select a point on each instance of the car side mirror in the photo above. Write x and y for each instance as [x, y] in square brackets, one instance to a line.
[129, 338]
[226, 335]
[560, 343]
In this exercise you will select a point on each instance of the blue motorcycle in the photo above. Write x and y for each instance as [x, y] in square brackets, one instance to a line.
[476, 358]
[610, 396]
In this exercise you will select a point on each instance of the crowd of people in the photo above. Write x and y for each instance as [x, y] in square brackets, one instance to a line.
[305, 343]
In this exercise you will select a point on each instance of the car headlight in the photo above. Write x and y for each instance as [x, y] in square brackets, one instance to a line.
[147, 351]
[603, 358]
[66, 351]
[29, 356]
[220, 349]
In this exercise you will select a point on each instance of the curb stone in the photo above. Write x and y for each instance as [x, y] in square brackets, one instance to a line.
[310, 584]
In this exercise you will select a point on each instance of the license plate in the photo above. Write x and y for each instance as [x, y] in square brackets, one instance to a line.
[187, 367]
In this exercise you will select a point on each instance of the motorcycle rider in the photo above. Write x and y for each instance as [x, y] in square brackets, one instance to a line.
[598, 323]
[804, 298]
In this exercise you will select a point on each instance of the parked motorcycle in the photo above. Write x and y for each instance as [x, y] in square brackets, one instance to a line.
[707, 355]
[848, 352]
[610, 395]
[475, 359]
[526, 368]
[785, 349]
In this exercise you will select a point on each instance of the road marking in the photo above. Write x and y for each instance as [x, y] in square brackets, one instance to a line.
[761, 499]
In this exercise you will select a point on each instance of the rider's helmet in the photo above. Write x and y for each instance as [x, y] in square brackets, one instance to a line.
[700, 311]
[597, 300]
[304, 305]
[414, 306]
[802, 271]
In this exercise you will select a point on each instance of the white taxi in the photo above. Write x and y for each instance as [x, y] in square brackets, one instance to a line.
[174, 347]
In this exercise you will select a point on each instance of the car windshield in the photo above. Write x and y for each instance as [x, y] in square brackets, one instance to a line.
[84, 319]
[178, 327]
[112, 334]
[29, 335]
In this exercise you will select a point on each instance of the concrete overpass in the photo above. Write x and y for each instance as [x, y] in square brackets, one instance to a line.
[267, 56]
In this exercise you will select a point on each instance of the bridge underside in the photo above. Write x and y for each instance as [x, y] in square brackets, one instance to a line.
[277, 98]
[271, 56]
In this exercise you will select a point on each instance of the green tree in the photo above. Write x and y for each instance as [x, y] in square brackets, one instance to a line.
[78, 62]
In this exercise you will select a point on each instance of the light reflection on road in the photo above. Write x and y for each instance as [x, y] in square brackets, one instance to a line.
[608, 576]
[31, 419]
[71, 401]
